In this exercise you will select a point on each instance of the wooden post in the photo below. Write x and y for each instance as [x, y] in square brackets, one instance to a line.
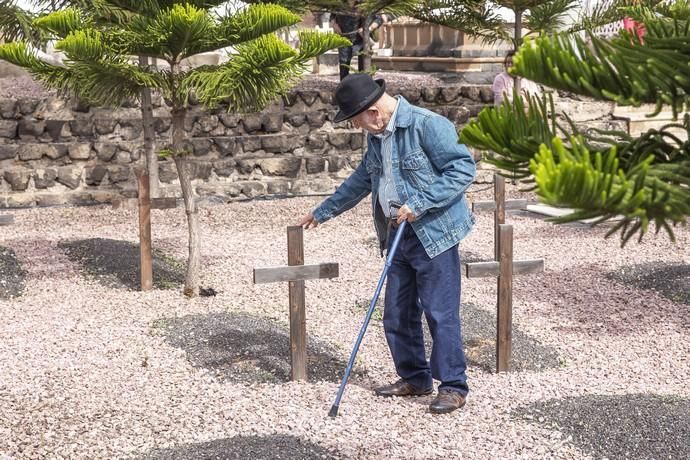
[504, 321]
[298, 322]
[500, 211]
[295, 273]
[145, 256]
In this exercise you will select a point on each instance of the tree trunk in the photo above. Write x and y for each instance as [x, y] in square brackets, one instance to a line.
[150, 156]
[366, 45]
[191, 283]
[518, 42]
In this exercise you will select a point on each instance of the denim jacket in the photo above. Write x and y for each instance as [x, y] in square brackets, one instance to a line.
[431, 172]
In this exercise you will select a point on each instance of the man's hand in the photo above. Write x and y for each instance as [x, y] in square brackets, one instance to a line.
[405, 214]
[309, 221]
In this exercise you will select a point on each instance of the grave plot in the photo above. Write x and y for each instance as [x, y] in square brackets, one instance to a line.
[671, 280]
[273, 447]
[243, 348]
[115, 263]
[11, 275]
[640, 426]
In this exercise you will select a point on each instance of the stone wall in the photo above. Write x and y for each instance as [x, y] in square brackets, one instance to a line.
[56, 152]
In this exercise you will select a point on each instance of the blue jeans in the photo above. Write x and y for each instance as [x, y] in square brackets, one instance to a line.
[416, 284]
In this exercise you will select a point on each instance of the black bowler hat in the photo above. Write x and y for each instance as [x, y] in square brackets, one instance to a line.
[356, 93]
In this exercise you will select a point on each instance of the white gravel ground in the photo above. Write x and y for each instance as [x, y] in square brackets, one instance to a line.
[85, 374]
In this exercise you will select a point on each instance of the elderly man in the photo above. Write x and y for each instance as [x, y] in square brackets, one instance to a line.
[413, 158]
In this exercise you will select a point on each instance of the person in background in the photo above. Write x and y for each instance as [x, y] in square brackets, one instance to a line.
[504, 83]
[349, 25]
[416, 171]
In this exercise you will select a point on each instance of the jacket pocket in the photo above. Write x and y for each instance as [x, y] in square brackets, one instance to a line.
[417, 169]
[373, 167]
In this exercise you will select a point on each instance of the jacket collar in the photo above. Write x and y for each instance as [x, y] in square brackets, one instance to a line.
[404, 116]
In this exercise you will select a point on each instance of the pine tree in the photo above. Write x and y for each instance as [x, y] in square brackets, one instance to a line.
[602, 175]
[98, 67]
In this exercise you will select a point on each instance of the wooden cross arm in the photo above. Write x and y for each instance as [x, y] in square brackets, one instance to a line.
[489, 269]
[478, 206]
[7, 219]
[295, 273]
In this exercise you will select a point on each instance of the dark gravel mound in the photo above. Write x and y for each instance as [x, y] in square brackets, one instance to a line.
[115, 263]
[640, 426]
[275, 447]
[11, 275]
[243, 348]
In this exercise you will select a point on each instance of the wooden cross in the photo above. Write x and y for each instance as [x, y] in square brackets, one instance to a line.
[498, 205]
[504, 268]
[295, 273]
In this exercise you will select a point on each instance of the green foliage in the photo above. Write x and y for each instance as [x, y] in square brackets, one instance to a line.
[596, 186]
[15, 23]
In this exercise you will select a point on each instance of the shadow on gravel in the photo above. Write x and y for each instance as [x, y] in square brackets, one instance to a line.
[115, 263]
[670, 280]
[11, 275]
[479, 334]
[246, 349]
[639, 426]
[273, 447]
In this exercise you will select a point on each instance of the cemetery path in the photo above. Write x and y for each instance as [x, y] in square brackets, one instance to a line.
[93, 369]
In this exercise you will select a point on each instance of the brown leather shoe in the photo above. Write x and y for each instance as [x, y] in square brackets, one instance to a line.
[401, 388]
[446, 401]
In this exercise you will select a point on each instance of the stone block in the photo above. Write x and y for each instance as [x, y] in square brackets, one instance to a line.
[103, 125]
[296, 120]
[95, 175]
[230, 120]
[105, 151]
[79, 151]
[486, 95]
[58, 130]
[8, 108]
[29, 152]
[336, 163]
[131, 129]
[82, 126]
[471, 92]
[167, 172]
[30, 127]
[252, 122]
[201, 169]
[119, 173]
[69, 176]
[207, 123]
[303, 187]
[225, 167]
[429, 94]
[201, 146]
[246, 166]
[226, 146]
[27, 106]
[251, 143]
[18, 178]
[411, 94]
[50, 199]
[316, 119]
[161, 125]
[315, 165]
[449, 94]
[309, 96]
[252, 189]
[273, 122]
[339, 140]
[316, 141]
[288, 166]
[8, 151]
[44, 178]
[278, 187]
[123, 157]
[356, 141]
[8, 129]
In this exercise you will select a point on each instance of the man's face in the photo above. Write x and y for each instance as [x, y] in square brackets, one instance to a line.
[370, 120]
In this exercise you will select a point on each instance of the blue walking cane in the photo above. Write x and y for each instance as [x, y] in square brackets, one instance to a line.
[334, 409]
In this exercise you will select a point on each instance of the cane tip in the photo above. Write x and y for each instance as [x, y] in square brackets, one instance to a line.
[334, 411]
